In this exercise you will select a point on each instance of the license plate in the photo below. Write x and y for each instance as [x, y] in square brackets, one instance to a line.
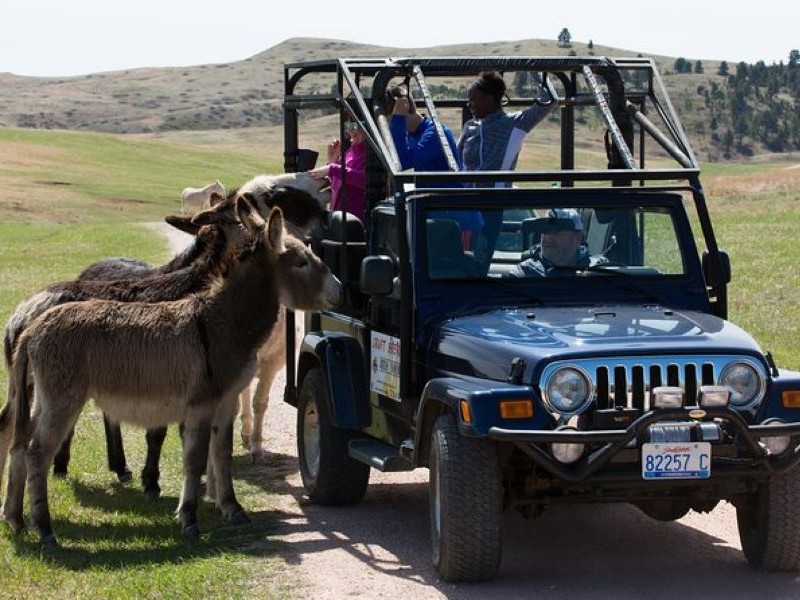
[682, 460]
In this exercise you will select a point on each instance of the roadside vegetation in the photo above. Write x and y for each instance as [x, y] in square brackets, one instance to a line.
[72, 198]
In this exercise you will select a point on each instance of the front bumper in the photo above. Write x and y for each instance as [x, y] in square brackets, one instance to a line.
[744, 456]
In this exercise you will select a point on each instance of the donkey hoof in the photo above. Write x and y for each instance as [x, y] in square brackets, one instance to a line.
[50, 541]
[258, 457]
[192, 531]
[152, 495]
[240, 518]
[125, 476]
[17, 525]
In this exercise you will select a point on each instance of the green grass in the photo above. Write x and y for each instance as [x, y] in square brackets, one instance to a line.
[69, 176]
[72, 198]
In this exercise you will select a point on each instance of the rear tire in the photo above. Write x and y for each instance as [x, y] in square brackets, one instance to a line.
[466, 504]
[769, 524]
[330, 476]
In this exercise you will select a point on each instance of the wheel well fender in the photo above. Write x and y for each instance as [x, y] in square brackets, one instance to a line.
[437, 399]
[341, 359]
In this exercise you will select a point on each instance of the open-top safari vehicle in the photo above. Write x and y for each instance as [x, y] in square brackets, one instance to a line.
[622, 381]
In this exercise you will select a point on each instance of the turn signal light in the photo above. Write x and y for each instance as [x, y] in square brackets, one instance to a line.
[790, 398]
[466, 413]
[516, 409]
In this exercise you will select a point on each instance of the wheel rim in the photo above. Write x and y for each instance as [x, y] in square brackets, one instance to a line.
[311, 439]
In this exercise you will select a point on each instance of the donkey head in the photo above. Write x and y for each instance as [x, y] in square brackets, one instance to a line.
[304, 281]
[301, 198]
[223, 215]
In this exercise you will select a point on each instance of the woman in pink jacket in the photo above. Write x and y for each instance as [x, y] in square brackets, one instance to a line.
[355, 164]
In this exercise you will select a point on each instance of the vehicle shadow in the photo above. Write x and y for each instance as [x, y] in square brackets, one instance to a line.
[578, 551]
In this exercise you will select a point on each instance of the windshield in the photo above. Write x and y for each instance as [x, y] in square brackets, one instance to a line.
[552, 241]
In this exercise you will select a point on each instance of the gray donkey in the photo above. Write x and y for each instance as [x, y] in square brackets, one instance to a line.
[131, 280]
[153, 364]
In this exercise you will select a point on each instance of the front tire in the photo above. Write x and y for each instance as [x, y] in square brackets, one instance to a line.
[769, 524]
[330, 476]
[465, 504]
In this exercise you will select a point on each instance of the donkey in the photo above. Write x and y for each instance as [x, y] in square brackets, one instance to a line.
[303, 201]
[157, 363]
[301, 198]
[207, 256]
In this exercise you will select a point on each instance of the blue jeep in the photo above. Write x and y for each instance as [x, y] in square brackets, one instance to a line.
[617, 379]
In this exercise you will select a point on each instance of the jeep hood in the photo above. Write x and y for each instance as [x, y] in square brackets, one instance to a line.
[483, 345]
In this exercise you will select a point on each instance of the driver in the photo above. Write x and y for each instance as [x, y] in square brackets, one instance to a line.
[561, 245]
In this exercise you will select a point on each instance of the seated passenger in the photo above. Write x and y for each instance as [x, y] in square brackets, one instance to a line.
[355, 162]
[561, 246]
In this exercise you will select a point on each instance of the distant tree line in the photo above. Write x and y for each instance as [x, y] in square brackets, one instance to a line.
[758, 103]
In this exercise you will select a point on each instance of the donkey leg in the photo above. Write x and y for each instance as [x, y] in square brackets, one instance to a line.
[61, 461]
[115, 450]
[150, 472]
[15, 490]
[246, 413]
[221, 454]
[260, 404]
[196, 434]
[50, 429]
[6, 433]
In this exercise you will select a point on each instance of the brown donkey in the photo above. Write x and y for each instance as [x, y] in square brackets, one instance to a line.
[159, 363]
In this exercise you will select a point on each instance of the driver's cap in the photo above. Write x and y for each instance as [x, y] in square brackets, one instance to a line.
[565, 219]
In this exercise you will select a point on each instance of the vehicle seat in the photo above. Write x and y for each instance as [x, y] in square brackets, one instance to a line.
[343, 247]
[446, 256]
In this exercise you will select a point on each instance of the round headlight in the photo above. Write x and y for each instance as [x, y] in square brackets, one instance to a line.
[745, 383]
[568, 390]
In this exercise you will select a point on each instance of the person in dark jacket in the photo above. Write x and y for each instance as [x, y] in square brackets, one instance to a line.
[560, 248]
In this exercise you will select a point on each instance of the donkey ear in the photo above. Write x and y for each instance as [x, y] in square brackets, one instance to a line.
[248, 214]
[183, 224]
[222, 213]
[275, 230]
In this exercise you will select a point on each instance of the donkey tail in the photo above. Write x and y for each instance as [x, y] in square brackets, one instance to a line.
[15, 417]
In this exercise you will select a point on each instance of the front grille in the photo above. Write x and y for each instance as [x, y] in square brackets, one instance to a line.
[629, 386]
[626, 382]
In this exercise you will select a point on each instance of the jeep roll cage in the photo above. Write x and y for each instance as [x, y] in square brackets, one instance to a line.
[628, 94]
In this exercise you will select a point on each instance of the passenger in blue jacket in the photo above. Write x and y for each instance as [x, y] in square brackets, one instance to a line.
[419, 147]
[415, 137]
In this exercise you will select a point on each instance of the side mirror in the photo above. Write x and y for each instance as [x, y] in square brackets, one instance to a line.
[725, 262]
[377, 274]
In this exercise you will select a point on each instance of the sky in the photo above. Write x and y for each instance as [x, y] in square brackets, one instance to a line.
[78, 37]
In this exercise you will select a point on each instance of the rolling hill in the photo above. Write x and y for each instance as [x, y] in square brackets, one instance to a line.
[248, 93]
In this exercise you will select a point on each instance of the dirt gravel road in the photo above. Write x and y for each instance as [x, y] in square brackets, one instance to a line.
[380, 548]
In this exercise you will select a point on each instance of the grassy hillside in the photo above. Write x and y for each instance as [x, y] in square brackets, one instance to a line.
[248, 93]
